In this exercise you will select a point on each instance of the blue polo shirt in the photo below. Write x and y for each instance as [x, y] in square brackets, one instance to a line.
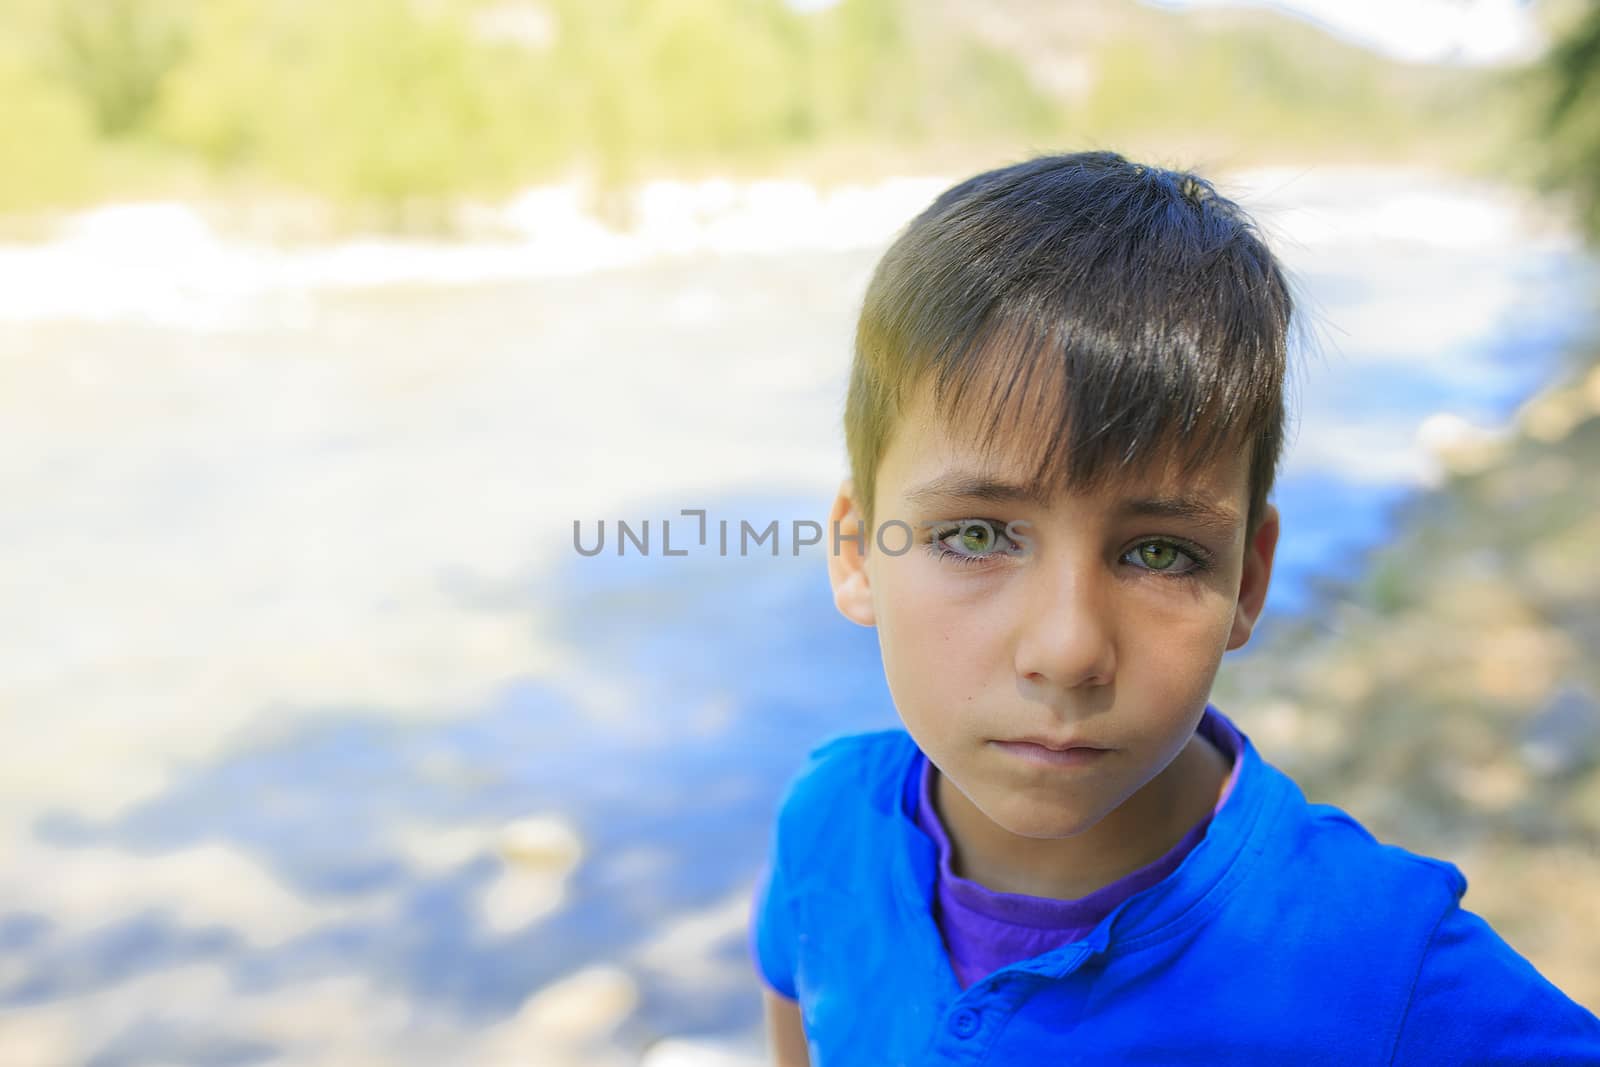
[1289, 935]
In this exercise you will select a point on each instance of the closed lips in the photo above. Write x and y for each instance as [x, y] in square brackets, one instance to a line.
[1056, 746]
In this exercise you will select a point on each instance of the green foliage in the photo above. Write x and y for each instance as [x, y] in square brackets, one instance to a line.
[1276, 85]
[986, 83]
[1571, 118]
[408, 105]
[862, 70]
[115, 54]
[314, 102]
[1389, 585]
[639, 83]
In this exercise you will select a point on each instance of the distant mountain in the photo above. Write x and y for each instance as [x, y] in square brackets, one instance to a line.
[1234, 82]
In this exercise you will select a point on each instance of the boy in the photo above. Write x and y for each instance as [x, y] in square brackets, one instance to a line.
[1064, 420]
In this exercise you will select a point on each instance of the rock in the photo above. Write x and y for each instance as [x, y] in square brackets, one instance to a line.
[1563, 737]
[1550, 416]
[1462, 446]
[542, 842]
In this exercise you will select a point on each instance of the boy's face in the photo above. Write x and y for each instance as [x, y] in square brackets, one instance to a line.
[1105, 630]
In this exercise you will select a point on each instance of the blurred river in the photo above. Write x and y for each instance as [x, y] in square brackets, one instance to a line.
[319, 743]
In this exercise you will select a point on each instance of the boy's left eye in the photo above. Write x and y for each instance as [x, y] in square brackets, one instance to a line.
[1163, 557]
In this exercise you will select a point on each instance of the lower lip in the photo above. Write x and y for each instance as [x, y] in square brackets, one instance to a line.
[1050, 757]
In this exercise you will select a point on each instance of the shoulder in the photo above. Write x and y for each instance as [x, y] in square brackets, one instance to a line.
[855, 769]
[1465, 995]
[1321, 850]
[848, 785]
[1327, 891]
[1332, 835]
[1326, 849]
[819, 817]
[1475, 999]
[861, 756]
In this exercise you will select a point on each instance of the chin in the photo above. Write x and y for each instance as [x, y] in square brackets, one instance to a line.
[1044, 825]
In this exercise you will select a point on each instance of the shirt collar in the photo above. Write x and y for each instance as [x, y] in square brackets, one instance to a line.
[1180, 900]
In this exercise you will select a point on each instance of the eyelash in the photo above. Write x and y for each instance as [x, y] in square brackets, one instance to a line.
[1197, 556]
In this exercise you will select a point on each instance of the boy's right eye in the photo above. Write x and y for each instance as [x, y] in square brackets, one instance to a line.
[972, 539]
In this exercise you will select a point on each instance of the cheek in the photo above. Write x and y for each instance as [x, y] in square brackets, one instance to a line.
[1175, 654]
[1193, 623]
[1194, 637]
[938, 636]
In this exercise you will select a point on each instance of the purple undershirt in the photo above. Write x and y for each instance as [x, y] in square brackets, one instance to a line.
[985, 931]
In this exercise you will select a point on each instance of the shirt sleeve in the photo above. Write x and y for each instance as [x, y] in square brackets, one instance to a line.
[809, 813]
[1477, 1001]
[772, 929]
[772, 934]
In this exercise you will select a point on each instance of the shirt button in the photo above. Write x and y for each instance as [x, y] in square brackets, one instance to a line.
[964, 1023]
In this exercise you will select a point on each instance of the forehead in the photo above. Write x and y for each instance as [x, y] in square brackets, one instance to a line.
[935, 454]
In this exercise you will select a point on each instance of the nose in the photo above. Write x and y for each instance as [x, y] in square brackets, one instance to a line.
[1067, 634]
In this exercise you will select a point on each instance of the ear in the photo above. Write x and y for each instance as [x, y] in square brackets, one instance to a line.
[1254, 578]
[847, 559]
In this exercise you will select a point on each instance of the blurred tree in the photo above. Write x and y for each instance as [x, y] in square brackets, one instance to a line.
[400, 107]
[371, 102]
[1571, 119]
[115, 54]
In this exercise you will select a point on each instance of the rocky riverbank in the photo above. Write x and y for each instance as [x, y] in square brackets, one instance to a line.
[1450, 698]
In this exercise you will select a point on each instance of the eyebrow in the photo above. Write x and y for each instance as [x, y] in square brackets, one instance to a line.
[977, 487]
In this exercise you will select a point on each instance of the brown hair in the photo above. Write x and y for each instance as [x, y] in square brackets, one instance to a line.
[1143, 305]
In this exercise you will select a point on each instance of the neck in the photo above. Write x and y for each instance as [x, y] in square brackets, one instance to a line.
[1143, 829]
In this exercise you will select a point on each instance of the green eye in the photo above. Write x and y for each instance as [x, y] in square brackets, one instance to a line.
[1170, 559]
[1159, 556]
[977, 537]
[972, 540]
